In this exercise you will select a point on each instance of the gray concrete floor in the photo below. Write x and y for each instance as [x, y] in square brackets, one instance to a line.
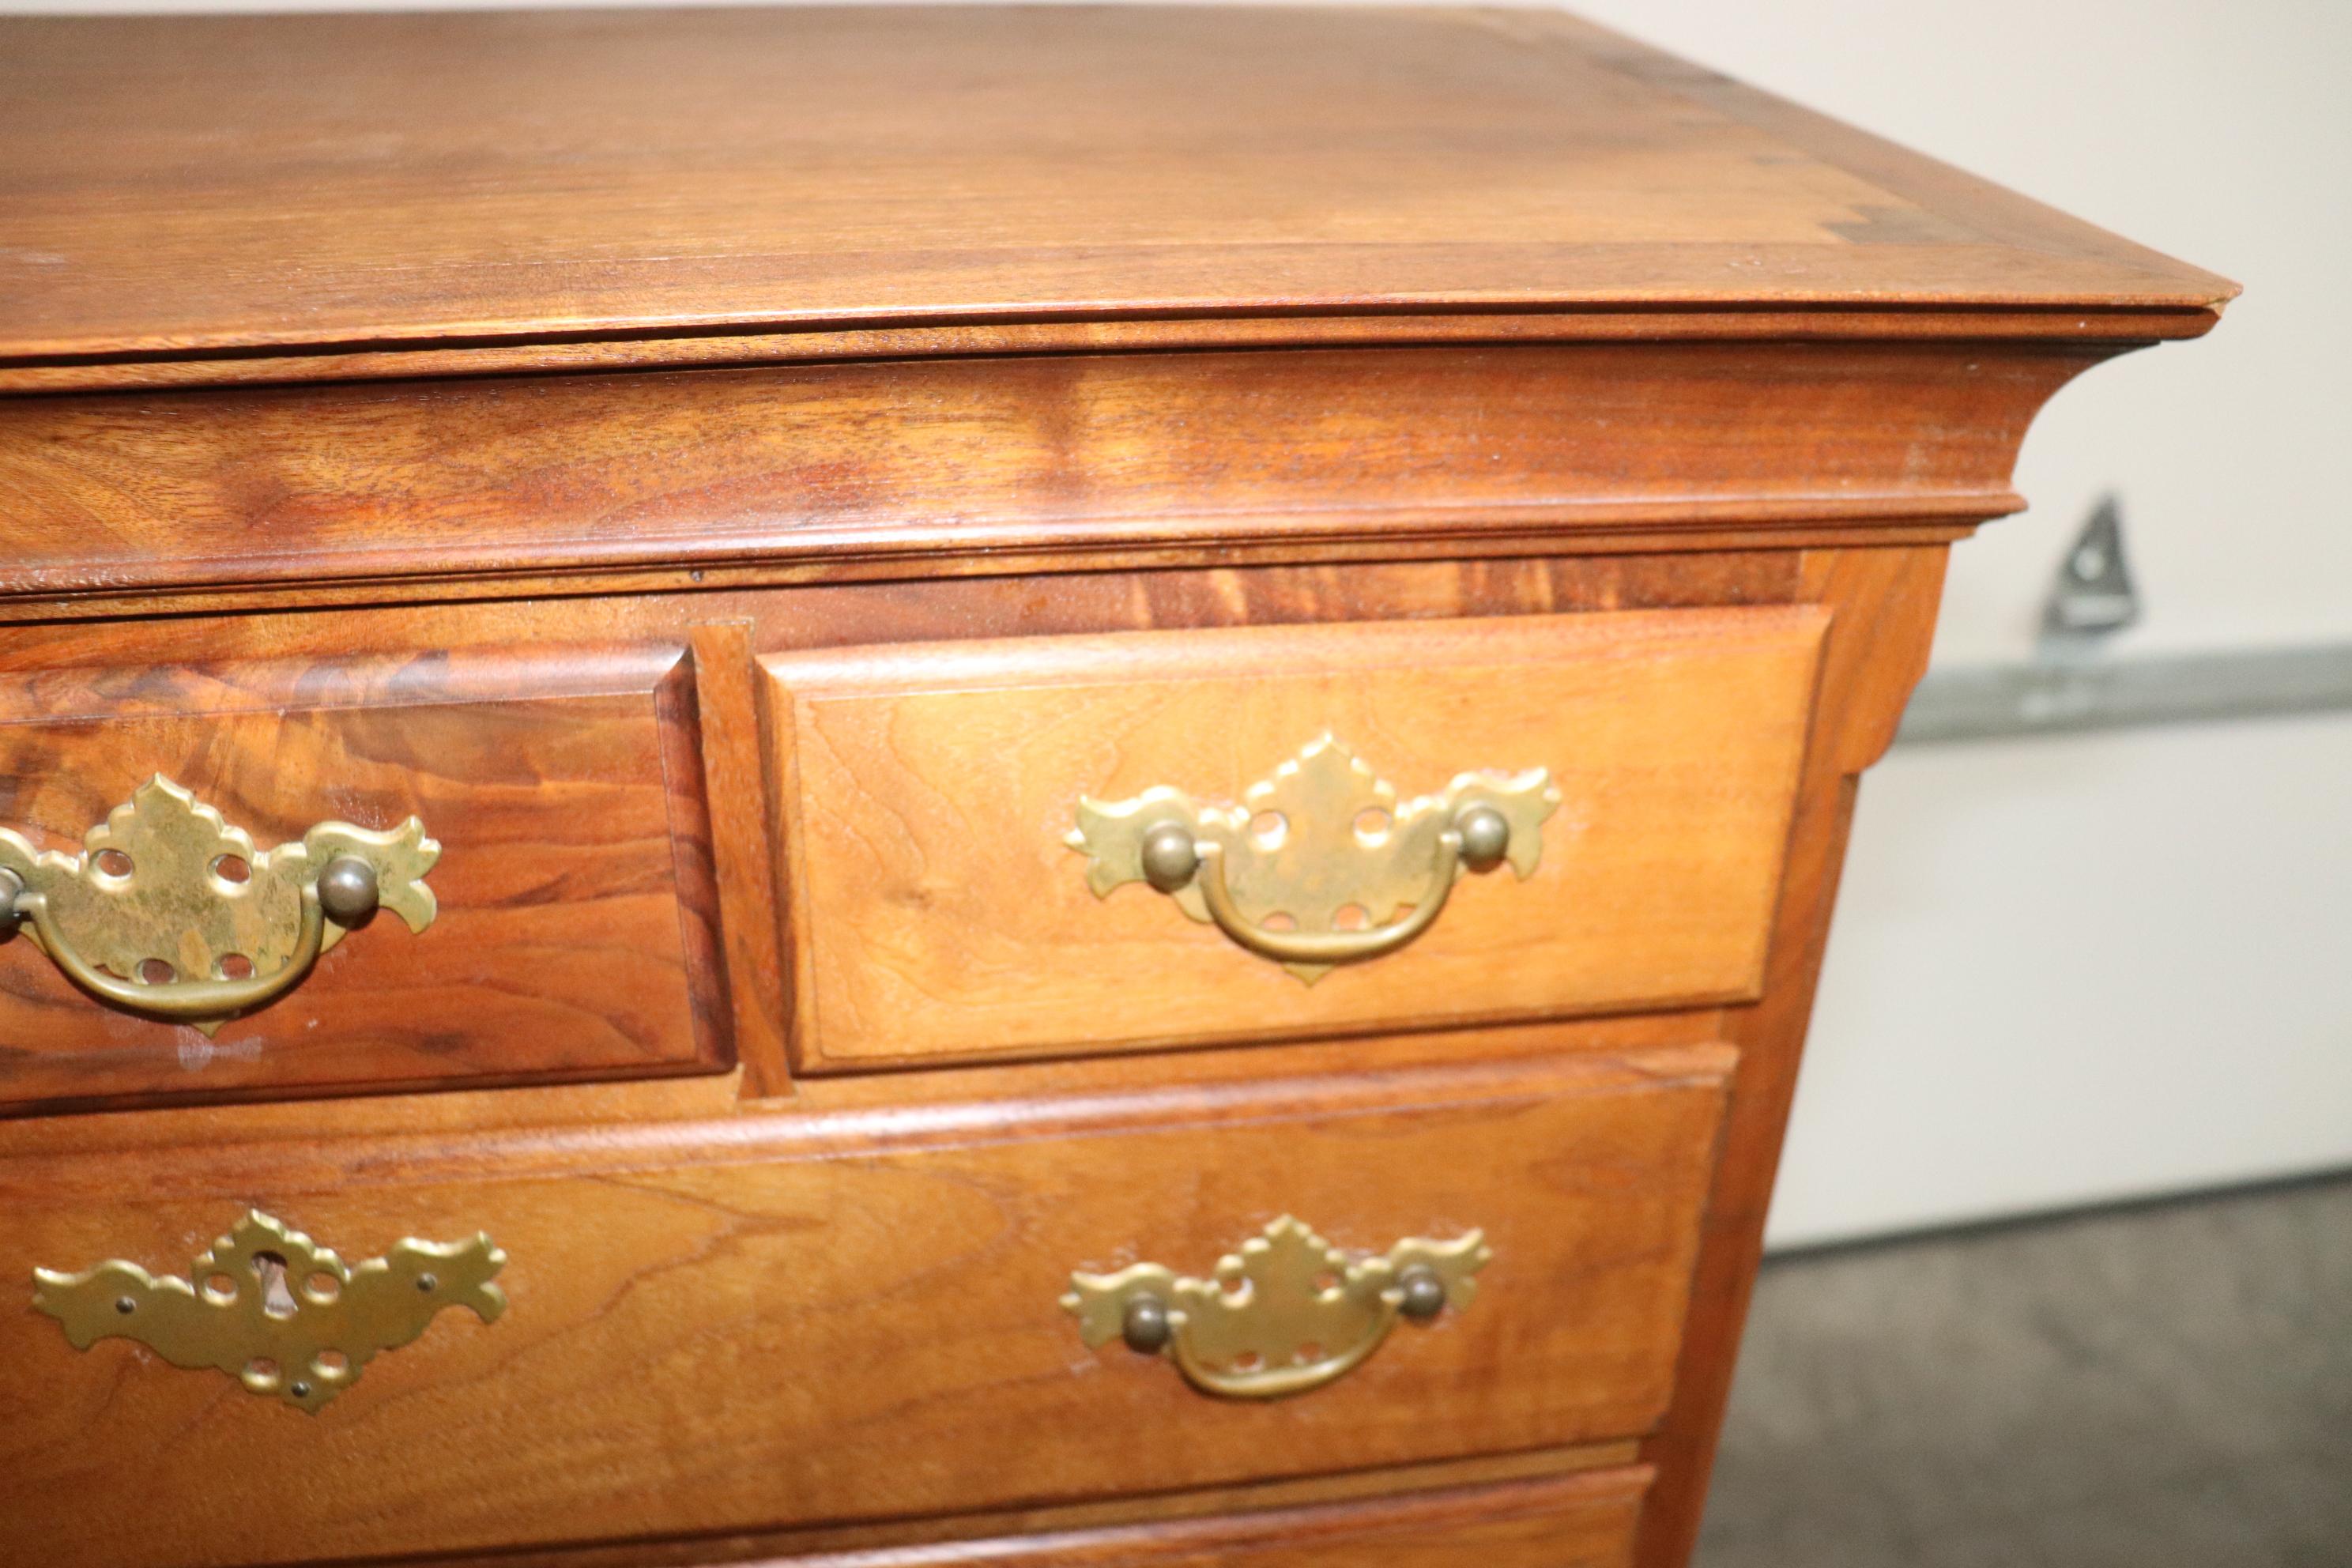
[2159, 1387]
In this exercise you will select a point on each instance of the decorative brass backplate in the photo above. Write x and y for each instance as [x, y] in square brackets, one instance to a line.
[1336, 868]
[1287, 1313]
[283, 1316]
[166, 881]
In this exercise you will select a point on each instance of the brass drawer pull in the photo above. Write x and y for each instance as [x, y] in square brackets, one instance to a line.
[1322, 840]
[1287, 1313]
[285, 1318]
[165, 890]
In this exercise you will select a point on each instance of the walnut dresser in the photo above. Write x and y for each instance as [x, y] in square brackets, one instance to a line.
[918, 787]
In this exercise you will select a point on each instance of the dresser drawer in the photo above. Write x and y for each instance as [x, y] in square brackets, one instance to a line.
[1563, 1521]
[529, 821]
[970, 830]
[859, 1313]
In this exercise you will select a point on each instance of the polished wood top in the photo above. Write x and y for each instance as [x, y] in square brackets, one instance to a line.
[329, 185]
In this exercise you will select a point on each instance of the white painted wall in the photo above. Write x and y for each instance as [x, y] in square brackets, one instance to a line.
[2068, 970]
[2217, 129]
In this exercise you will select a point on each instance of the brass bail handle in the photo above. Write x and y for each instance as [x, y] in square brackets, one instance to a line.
[1172, 857]
[345, 892]
[1340, 844]
[165, 882]
[1286, 1314]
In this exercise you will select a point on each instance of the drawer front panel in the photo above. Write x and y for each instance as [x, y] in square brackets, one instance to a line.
[811, 1317]
[1566, 1521]
[940, 909]
[568, 934]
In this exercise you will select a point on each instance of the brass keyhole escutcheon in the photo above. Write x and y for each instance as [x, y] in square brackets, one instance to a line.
[265, 1304]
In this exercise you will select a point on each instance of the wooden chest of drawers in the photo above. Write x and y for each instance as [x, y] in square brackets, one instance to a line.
[918, 786]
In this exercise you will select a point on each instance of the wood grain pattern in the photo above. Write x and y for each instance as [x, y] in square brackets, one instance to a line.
[78, 669]
[813, 1317]
[585, 1127]
[978, 1531]
[1021, 465]
[574, 932]
[1582, 1522]
[2118, 330]
[822, 615]
[1410, 346]
[734, 763]
[937, 912]
[1883, 621]
[949, 167]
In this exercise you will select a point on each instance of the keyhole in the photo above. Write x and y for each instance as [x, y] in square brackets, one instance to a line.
[277, 1295]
